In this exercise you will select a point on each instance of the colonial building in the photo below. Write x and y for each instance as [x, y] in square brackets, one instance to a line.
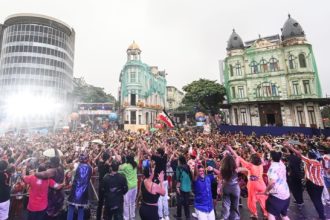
[142, 91]
[273, 81]
[173, 98]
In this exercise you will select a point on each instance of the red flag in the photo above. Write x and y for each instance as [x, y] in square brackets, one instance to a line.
[163, 116]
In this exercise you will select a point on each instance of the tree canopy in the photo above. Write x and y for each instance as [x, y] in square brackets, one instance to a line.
[206, 95]
[84, 92]
[325, 112]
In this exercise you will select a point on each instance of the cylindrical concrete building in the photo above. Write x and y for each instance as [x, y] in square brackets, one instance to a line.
[36, 62]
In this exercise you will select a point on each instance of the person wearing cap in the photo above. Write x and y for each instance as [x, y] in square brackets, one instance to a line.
[4, 190]
[79, 192]
[314, 178]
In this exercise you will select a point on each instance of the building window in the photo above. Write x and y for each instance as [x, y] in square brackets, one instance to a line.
[302, 61]
[274, 90]
[133, 99]
[236, 116]
[263, 65]
[238, 69]
[258, 91]
[132, 76]
[291, 62]
[140, 120]
[273, 64]
[295, 87]
[133, 117]
[233, 92]
[307, 88]
[311, 116]
[254, 67]
[231, 70]
[243, 116]
[266, 89]
[241, 92]
[301, 116]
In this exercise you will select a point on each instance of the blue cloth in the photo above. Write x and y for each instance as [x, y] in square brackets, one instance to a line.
[275, 131]
[71, 213]
[79, 191]
[203, 193]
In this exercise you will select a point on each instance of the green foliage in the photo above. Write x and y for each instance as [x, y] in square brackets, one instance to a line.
[84, 92]
[205, 94]
[325, 112]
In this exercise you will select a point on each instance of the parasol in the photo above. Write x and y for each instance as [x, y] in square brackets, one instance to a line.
[97, 141]
[51, 152]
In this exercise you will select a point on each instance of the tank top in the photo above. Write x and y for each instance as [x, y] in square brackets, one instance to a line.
[147, 197]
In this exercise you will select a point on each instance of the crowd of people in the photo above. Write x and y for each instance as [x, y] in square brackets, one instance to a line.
[56, 176]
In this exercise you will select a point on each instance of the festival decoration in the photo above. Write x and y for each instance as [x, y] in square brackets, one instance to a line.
[200, 117]
[113, 116]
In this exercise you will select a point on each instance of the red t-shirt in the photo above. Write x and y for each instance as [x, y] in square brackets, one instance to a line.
[38, 199]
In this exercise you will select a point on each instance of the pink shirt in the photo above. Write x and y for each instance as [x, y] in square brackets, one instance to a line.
[38, 199]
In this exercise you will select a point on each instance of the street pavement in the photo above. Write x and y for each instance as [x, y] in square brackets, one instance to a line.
[308, 212]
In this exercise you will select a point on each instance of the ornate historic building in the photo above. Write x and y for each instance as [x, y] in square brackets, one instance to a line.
[142, 92]
[173, 98]
[273, 81]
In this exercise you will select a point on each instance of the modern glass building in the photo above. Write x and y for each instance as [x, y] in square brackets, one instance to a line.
[36, 62]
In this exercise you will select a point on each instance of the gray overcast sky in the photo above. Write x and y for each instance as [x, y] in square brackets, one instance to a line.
[184, 37]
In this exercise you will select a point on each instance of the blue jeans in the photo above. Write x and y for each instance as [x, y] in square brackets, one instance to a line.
[71, 212]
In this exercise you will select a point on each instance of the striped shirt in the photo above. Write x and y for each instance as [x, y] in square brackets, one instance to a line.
[313, 171]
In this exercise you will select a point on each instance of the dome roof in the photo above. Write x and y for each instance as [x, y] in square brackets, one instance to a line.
[235, 41]
[292, 29]
[134, 46]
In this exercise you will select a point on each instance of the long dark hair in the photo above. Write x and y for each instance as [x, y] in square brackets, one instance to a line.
[130, 160]
[228, 168]
[255, 159]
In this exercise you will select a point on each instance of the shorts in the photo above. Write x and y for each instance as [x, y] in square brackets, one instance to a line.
[277, 207]
[327, 182]
[4, 210]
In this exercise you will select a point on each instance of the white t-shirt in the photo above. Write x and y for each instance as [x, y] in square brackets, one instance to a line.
[277, 173]
[326, 159]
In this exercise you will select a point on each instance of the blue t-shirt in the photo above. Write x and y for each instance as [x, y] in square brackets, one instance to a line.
[203, 193]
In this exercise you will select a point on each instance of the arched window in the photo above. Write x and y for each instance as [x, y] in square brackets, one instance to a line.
[254, 67]
[302, 60]
[263, 65]
[238, 69]
[231, 70]
[258, 91]
[266, 89]
[291, 62]
[273, 64]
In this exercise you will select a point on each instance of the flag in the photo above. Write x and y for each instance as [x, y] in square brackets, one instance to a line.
[163, 116]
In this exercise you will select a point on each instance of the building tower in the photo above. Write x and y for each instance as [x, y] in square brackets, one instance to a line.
[142, 91]
[36, 68]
